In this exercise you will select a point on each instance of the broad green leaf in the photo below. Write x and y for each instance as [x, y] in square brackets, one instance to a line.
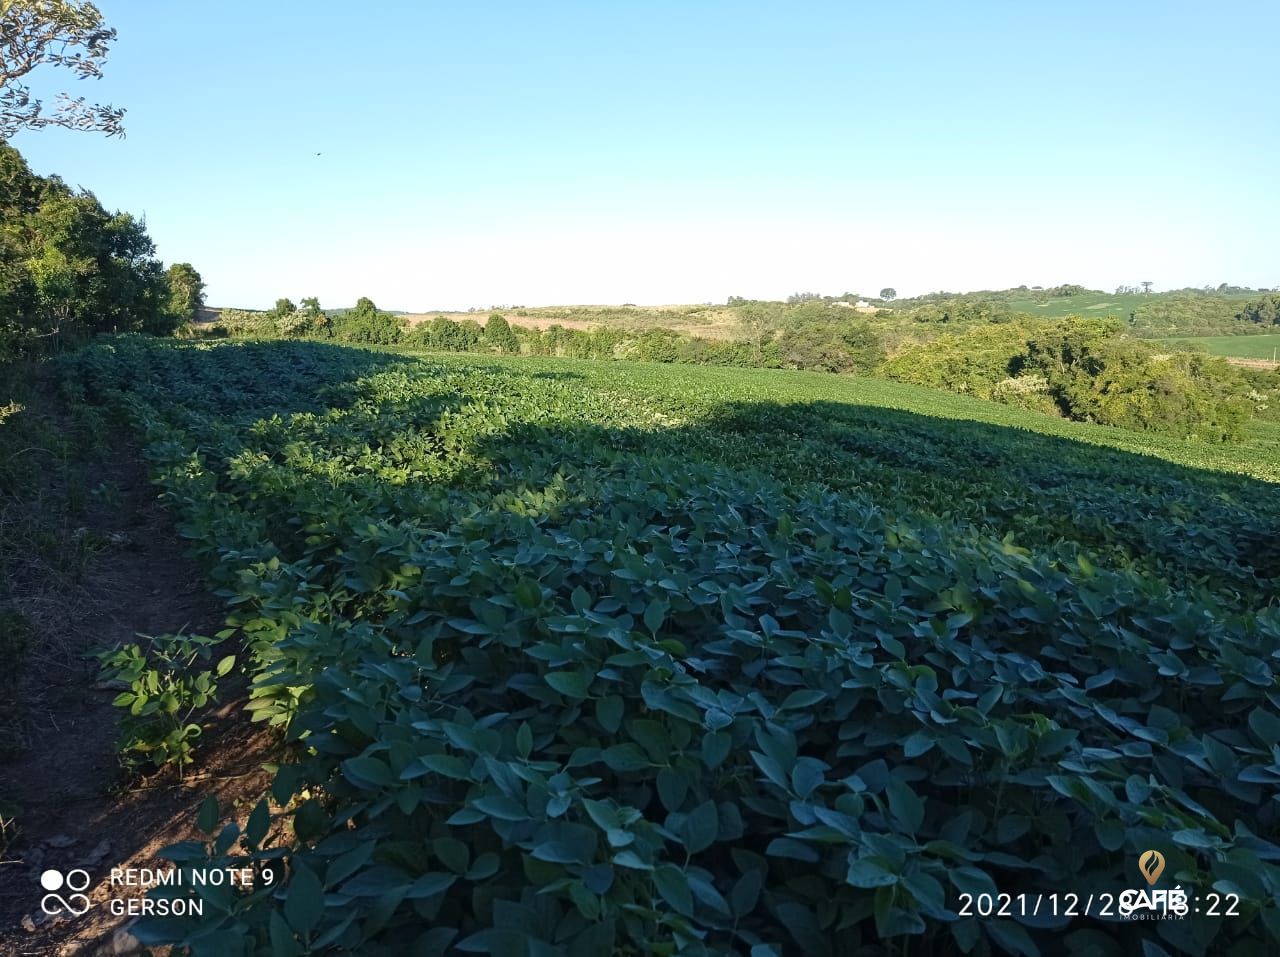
[609, 713]
[870, 872]
[673, 886]
[701, 826]
[905, 805]
[304, 900]
[571, 684]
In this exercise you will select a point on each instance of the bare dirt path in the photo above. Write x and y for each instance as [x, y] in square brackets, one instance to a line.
[75, 808]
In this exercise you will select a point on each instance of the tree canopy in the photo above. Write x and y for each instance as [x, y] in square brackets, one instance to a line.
[70, 268]
[53, 33]
[186, 291]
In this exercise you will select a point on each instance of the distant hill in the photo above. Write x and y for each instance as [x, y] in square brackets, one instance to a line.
[1123, 304]
[1186, 312]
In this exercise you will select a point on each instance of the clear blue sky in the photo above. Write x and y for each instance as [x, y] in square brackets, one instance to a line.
[493, 153]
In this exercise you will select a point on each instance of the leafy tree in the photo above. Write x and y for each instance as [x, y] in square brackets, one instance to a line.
[813, 341]
[656, 345]
[186, 292]
[760, 322]
[888, 294]
[1265, 311]
[283, 308]
[69, 267]
[499, 336]
[1083, 369]
[1065, 291]
[365, 323]
[311, 317]
[57, 33]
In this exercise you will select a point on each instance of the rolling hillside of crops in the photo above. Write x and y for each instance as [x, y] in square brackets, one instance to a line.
[583, 658]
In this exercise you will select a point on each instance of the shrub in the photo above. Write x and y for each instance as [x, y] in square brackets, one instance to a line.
[245, 323]
[654, 345]
[847, 345]
[166, 686]
[1029, 391]
[972, 362]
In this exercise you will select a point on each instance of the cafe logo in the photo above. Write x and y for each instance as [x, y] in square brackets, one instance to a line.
[1151, 863]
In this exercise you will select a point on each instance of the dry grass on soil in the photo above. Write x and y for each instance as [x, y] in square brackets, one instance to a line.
[713, 322]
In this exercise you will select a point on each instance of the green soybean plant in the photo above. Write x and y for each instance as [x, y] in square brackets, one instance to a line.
[166, 683]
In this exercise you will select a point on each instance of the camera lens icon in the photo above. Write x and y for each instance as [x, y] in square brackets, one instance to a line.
[52, 880]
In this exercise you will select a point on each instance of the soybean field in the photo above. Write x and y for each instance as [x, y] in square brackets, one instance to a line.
[581, 658]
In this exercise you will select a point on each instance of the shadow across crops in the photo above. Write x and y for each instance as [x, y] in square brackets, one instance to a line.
[1189, 526]
[342, 414]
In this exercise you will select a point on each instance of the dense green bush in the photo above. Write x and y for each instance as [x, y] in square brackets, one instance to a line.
[1263, 391]
[1084, 369]
[654, 345]
[252, 324]
[1095, 376]
[1189, 314]
[70, 269]
[1264, 311]
[972, 362]
[960, 311]
[841, 345]
[367, 324]
[445, 335]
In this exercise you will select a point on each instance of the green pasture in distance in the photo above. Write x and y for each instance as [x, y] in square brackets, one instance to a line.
[1090, 304]
[1264, 346]
[1101, 304]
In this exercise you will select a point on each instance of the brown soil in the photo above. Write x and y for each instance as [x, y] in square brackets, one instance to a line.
[76, 808]
[1253, 363]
